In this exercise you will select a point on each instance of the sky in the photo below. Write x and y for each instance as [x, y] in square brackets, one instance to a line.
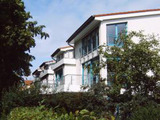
[63, 17]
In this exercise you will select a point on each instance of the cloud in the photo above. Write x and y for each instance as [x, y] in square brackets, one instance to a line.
[63, 17]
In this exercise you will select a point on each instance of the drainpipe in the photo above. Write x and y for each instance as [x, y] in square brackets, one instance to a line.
[54, 59]
[73, 48]
[70, 45]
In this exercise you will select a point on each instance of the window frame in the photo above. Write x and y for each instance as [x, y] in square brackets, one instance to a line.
[87, 42]
[116, 33]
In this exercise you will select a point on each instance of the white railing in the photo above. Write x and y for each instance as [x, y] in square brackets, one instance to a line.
[69, 82]
[71, 61]
[44, 72]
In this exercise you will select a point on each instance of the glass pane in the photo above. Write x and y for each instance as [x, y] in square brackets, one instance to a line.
[97, 40]
[111, 33]
[110, 78]
[89, 44]
[85, 46]
[94, 41]
[111, 30]
[121, 27]
[111, 40]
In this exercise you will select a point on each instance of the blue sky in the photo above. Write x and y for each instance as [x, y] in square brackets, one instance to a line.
[63, 17]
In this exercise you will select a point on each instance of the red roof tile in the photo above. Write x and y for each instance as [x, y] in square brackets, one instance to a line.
[28, 82]
[128, 12]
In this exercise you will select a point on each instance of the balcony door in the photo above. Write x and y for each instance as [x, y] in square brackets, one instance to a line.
[59, 76]
[88, 78]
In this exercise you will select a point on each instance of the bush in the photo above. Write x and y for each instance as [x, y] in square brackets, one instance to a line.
[15, 97]
[31, 113]
[42, 113]
[149, 112]
[61, 102]
[77, 101]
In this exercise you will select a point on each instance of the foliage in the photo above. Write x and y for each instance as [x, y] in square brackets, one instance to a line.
[133, 66]
[61, 102]
[77, 101]
[16, 39]
[148, 112]
[42, 113]
[31, 113]
[16, 97]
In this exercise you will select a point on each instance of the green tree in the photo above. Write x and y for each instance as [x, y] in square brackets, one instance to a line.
[17, 33]
[134, 67]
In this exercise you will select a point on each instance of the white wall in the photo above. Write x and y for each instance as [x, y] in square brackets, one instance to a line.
[69, 69]
[69, 54]
[150, 25]
[78, 50]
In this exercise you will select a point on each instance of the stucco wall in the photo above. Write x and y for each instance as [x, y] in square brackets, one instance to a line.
[149, 24]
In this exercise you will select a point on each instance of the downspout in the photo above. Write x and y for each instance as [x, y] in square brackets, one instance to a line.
[54, 59]
[70, 45]
[73, 48]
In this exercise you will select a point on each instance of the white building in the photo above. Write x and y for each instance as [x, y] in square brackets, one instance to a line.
[65, 77]
[103, 29]
[44, 76]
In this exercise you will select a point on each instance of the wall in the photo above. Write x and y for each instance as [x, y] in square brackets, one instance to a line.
[82, 59]
[150, 25]
[69, 54]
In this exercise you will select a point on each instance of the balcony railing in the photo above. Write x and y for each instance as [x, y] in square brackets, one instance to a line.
[69, 82]
[44, 72]
[70, 61]
[47, 88]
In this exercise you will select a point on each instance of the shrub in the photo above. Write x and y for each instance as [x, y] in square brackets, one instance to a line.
[61, 102]
[149, 112]
[42, 113]
[76, 101]
[15, 97]
[31, 113]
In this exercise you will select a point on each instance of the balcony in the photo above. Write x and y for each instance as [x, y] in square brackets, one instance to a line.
[69, 83]
[45, 72]
[64, 61]
[89, 56]
[47, 88]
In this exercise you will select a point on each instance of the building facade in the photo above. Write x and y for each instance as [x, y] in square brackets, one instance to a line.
[98, 30]
[65, 77]
[43, 77]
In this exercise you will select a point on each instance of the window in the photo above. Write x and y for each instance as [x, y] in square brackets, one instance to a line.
[90, 42]
[59, 57]
[110, 78]
[88, 77]
[113, 31]
[59, 76]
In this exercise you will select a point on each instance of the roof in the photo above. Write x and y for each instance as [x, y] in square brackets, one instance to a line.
[28, 82]
[90, 19]
[64, 47]
[37, 70]
[59, 49]
[128, 12]
[47, 62]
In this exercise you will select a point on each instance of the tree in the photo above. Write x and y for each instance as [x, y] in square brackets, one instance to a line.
[134, 67]
[17, 33]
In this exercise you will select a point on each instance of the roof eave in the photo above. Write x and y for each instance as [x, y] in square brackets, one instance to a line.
[85, 24]
[58, 50]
